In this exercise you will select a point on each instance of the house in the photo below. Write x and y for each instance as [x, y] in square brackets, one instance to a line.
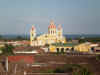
[65, 47]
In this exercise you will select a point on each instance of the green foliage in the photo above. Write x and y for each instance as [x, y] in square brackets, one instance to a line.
[47, 71]
[7, 50]
[0, 36]
[75, 69]
[81, 70]
[76, 66]
[82, 40]
[65, 69]
[75, 73]
[19, 38]
[84, 71]
[94, 40]
[59, 70]
[15, 38]
[98, 57]
[50, 71]
[47, 45]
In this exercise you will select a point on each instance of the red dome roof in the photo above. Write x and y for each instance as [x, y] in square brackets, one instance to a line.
[52, 26]
[33, 27]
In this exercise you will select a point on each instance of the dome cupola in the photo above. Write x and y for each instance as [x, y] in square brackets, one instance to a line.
[59, 27]
[52, 25]
[33, 28]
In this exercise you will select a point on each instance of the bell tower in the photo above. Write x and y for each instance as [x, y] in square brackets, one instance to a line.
[52, 28]
[32, 34]
[60, 31]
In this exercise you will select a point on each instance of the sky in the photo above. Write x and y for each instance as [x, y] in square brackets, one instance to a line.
[75, 16]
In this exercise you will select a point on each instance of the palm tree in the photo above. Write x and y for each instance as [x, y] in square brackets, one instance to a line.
[6, 51]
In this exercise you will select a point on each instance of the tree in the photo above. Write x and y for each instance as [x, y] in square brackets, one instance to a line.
[7, 50]
[19, 38]
[47, 45]
[98, 57]
[82, 40]
[84, 71]
[58, 70]
[1, 37]
[57, 50]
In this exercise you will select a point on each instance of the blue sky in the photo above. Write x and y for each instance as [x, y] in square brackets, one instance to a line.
[76, 16]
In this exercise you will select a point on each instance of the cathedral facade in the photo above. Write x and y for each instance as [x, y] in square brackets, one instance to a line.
[54, 35]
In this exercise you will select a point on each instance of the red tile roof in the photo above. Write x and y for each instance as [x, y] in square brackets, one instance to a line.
[33, 28]
[24, 59]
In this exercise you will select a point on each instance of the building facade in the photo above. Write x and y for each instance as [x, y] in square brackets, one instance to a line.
[66, 47]
[54, 35]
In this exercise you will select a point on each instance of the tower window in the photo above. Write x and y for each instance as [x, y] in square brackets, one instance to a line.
[57, 50]
[32, 34]
[62, 50]
[51, 32]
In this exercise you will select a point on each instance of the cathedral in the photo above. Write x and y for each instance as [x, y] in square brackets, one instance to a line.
[54, 35]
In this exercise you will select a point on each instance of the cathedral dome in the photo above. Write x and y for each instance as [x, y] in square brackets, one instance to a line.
[52, 25]
[33, 28]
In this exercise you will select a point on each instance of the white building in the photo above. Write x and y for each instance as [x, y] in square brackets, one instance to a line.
[54, 35]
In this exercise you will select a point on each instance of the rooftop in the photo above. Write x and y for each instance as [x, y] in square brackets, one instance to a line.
[65, 44]
[23, 59]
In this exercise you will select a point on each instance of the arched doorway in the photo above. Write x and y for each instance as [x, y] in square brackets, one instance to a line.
[67, 49]
[72, 49]
[57, 49]
[62, 50]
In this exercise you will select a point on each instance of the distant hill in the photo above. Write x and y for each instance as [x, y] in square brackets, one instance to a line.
[12, 36]
[82, 35]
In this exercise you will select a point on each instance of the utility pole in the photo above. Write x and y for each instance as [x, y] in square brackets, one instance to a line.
[15, 68]
[6, 64]
[24, 72]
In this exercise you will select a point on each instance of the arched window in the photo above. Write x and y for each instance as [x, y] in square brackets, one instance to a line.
[67, 49]
[51, 31]
[62, 50]
[57, 50]
[72, 48]
[32, 34]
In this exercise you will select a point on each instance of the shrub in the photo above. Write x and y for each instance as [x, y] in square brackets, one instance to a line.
[98, 57]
